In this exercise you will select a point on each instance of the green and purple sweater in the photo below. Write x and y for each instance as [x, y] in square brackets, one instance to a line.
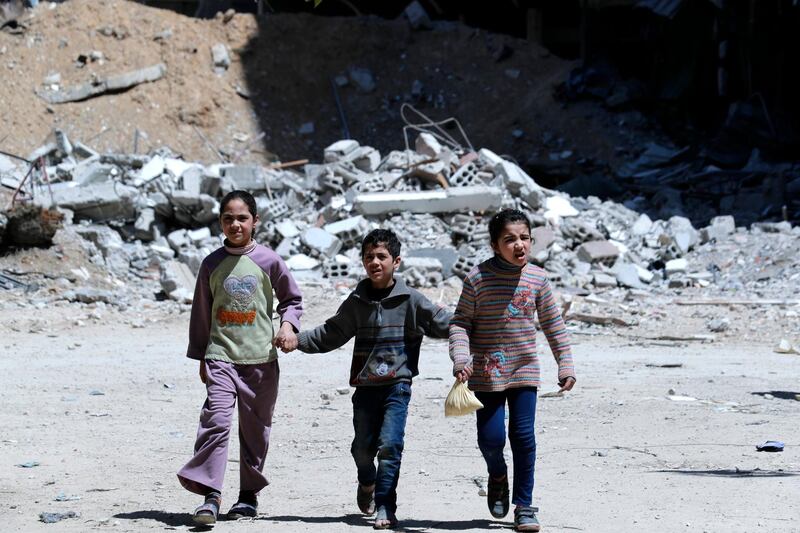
[494, 330]
[232, 308]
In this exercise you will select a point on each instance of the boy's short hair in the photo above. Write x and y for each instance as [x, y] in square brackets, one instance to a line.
[386, 237]
[503, 218]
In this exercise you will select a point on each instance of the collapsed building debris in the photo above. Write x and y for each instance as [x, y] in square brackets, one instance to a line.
[160, 212]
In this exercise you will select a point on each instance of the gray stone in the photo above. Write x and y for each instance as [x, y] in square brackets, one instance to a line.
[220, 57]
[476, 198]
[90, 295]
[597, 251]
[719, 229]
[339, 150]
[642, 226]
[427, 144]
[363, 79]
[176, 279]
[349, 230]
[99, 202]
[302, 262]
[627, 275]
[601, 279]
[178, 239]
[676, 266]
[144, 225]
[321, 241]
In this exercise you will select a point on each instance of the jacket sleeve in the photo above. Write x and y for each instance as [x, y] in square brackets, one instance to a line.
[200, 320]
[290, 301]
[555, 330]
[433, 319]
[461, 327]
[334, 333]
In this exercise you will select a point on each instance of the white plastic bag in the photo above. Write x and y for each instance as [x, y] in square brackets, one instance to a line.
[461, 401]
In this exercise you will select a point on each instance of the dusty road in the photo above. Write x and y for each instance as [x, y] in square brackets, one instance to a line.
[108, 406]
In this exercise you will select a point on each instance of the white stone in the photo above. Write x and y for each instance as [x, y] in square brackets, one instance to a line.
[287, 229]
[339, 149]
[676, 265]
[642, 226]
[198, 235]
[301, 262]
[320, 240]
[557, 207]
[427, 144]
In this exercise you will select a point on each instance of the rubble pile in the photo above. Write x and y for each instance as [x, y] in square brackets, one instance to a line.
[158, 213]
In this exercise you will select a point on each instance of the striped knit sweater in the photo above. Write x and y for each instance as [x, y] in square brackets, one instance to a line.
[493, 327]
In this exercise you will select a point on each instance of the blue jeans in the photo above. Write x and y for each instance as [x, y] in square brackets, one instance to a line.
[492, 437]
[379, 420]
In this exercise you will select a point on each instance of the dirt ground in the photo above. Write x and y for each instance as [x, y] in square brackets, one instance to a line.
[285, 64]
[107, 405]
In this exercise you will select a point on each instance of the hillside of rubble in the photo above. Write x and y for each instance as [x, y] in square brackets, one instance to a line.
[275, 98]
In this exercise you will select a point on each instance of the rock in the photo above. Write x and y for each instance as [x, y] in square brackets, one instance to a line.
[676, 266]
[363, 79]
[597, 251]
[220, 57]
[718, 325]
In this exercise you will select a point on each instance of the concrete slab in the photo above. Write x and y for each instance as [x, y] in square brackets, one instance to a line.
[476, 198]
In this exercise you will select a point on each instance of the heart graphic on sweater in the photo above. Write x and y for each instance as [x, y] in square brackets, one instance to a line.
[241, 289]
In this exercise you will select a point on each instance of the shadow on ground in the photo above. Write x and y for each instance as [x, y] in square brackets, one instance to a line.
[779, 394]
[727, 472]
[405, 524]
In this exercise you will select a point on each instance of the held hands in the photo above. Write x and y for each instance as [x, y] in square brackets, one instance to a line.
[286, 339]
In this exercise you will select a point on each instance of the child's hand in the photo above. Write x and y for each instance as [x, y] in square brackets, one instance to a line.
[203, 374]
[286, 339]
[568, 384]
[464, 374]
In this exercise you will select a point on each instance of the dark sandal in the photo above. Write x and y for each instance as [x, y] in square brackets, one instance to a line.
[366, 500]
[206, 514]
[242, 510]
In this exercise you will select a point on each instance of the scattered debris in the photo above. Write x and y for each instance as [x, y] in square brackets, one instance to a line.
[786, 346]
[770, 446]
[52, 518]
[97, 87]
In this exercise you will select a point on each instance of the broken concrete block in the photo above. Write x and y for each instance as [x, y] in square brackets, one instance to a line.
[178, 239]
[558, 207]
[301, 262]
[196, 236]
[91, 171]
[220, 57]
[718, 229]
[336, 270]
[428, 145]
[597, 251]
[98, 202]
[177, 280]
[447, 257]
[676, 266]
[601, 279]
[150, 171]
[271, 209]
[627, 275]
[542, 239]
[339, 150]
[321, 241]
[579, 231]
[465, 176]
[365, 158]
[490, 158]
[350, 230]
[104, 238]
[476, 198]
[468, 227]
[642, 226]
[160, 203]
[287, 229]
[192, 257]
[96, 87]
[145, 222]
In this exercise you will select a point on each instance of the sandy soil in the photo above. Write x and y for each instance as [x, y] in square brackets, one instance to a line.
[107, 405]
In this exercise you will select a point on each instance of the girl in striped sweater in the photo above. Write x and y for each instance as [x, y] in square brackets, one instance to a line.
[493, 347]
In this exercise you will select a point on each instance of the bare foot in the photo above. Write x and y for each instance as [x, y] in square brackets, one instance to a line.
[384, 519]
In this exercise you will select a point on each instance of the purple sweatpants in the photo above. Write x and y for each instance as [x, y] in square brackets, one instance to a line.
[256, 388]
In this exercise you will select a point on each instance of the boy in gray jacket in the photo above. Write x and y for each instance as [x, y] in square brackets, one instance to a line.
[388, 320]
